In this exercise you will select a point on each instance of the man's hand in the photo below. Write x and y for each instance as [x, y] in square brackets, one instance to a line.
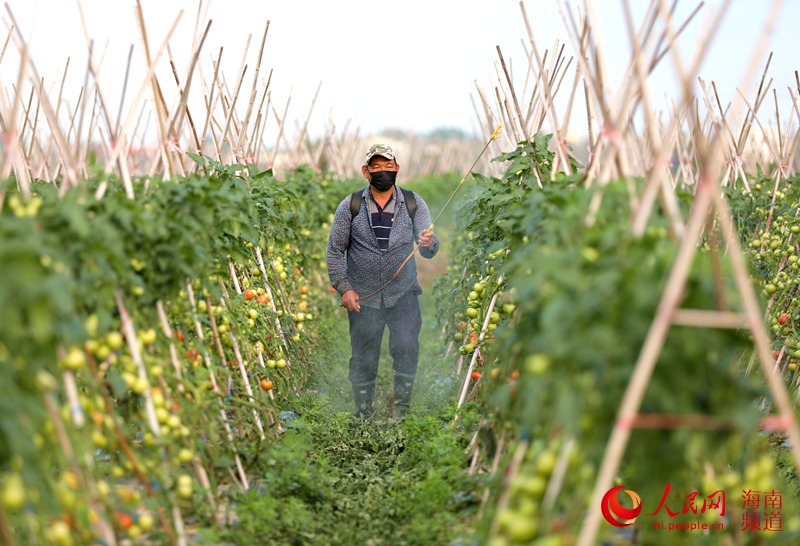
[350, 301]
[426, 238]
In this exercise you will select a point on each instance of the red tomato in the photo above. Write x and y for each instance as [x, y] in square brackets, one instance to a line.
[784, 317]
[249, 294]
[123, 520]
[304, 289]
[266, 384]
[263, 298]
[476, 375]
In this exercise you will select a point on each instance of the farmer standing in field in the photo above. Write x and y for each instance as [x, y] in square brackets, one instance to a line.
[373, 232]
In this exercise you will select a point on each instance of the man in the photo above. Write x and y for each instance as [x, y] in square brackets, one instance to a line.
[366, 248]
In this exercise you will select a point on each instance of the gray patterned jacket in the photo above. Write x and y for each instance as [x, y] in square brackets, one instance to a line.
[356, 261]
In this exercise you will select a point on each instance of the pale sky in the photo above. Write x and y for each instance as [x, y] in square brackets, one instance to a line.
[407, 64]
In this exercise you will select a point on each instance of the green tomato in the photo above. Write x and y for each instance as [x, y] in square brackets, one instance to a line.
[114, 340]
[522, 529]
[533, 486]
[185, 455]
[146, 521]
[13, 493]
[75, 359]
[545, 463]
[536, 364]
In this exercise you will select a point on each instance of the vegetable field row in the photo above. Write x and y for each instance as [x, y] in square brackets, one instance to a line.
[147, 346]
[549, 302]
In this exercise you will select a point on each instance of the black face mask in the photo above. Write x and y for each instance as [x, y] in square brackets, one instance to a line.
[383, 180]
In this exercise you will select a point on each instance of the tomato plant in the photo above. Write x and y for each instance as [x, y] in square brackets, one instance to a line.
[147, 323]
[572, 312]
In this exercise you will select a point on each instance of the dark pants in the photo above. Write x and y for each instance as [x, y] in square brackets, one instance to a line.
[366, 334]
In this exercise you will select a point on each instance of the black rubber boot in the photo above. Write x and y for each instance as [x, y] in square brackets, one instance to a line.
[362, 394]
[403, 385]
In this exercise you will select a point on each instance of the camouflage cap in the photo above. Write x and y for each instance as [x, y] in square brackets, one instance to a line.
[383, 150]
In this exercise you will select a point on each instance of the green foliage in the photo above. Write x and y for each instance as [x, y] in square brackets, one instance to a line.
[768, 229]
[67, 258]
[585, 293]
[332, 480]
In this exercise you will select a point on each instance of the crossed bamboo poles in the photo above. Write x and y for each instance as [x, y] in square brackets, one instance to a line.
[47, 139]
[704, 150]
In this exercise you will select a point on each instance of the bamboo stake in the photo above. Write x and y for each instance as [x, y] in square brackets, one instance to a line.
[136, 355]
[240, 145]
[475, 354]
[122, 147]
[556, 480]
[177, 120]
[659, 148]
[280, 128]
[112, 129]
[118, 121]
[258, 128]
[26, 110]
[197, 145]
[247, 386]
[160, 107]
[215, 386]
[173, 352]
[548, 95]
[210, 99]
[227, 133]
[11, 138]
[510, 473]
[5, 44]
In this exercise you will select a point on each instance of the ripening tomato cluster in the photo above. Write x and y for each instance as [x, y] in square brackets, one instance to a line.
[774, 250]
[488, 304]
[159, 407]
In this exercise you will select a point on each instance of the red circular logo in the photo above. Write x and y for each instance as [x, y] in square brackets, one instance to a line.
[615, 513]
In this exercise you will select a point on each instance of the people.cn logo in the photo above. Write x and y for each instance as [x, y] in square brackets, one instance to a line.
[615, 513]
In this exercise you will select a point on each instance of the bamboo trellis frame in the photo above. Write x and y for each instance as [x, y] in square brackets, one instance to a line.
[706, 150]
[48, 139]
